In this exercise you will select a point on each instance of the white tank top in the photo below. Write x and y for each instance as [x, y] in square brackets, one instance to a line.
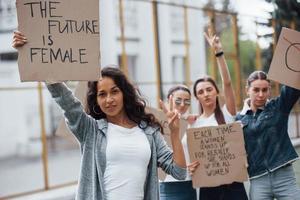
[127, 157]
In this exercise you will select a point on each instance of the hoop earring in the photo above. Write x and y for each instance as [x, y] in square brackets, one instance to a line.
[98, 113]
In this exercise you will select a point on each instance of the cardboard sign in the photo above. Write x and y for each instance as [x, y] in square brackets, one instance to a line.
[285, 65]
[63, 40]
[162, 118]
[221, 153]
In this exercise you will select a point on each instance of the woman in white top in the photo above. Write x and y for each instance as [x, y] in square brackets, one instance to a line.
[206, 92]
[171, 188]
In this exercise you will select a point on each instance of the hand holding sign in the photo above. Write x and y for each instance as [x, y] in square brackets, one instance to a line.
[221, 153]
[64, 44]
[19, 39]
[192, 167]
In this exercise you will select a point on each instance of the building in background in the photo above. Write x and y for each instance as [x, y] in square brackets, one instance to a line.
[19, 103]
[139, 36]
[19, 119]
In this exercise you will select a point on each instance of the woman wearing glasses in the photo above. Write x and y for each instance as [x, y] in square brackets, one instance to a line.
[181, 96]
[171, 188]
[213, 114]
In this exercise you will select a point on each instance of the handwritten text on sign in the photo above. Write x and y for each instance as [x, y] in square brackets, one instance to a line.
[221, 153]
[285, 65]
[63, 43]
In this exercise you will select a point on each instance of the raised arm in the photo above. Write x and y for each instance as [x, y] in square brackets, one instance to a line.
[288, 98]
[78, 121]
[174, 125]
[215, 43]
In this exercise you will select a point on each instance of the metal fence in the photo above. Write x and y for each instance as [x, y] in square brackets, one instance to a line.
[61, 146]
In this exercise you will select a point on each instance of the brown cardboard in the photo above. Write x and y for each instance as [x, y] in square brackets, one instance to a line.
[58, 54]
[221, 153]
[285, 65]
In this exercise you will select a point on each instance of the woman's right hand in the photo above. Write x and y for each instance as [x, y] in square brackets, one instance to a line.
[18, 39]
[172, 115]
[213, 40]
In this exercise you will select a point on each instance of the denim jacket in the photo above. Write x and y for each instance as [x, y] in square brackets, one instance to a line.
[91, 135]
[265, 132]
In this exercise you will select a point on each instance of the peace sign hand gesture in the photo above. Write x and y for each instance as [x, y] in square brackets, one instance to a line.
[213, 40]
[172, 115]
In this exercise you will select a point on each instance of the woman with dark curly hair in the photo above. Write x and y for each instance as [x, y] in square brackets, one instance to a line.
[121, 144]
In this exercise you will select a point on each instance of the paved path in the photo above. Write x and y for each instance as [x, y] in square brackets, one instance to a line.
[67, 193]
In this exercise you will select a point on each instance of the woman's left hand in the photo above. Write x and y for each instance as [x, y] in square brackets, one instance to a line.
[172, 115]
[192, 167]
[191, 118]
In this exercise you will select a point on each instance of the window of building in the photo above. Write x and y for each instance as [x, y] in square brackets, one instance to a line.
[177, 19]
[8, 16]
[178, 69]
[130, 15]
[132, 66]
[11, 56]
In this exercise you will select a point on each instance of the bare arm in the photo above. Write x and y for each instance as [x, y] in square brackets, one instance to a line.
[78, 121]
[215, 43]
[174, 123]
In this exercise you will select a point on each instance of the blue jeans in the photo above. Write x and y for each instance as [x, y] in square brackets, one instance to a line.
[280, 184]
[233, 191]
[179, 190]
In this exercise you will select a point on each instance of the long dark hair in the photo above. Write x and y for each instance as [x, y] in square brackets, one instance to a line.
[134, 104]
[257, 75]
[218, 112]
